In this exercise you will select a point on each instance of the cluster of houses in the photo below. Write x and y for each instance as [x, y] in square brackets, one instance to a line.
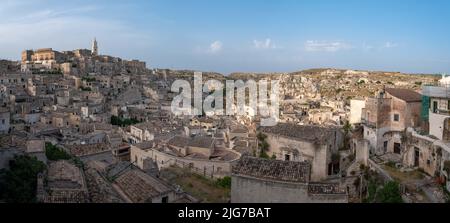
[408, 128]
[113, 116]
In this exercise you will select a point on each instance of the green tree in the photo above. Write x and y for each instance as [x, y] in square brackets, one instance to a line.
[264, 146]
[347, 129]
[20, 181]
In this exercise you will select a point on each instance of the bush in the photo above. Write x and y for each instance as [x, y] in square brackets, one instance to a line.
[224, 182]
[390, 193]
[85, 88]
[122, 122]
[55, 153]
[263, 155]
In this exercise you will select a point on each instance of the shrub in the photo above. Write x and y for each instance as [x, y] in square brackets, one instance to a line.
[263, 155]
[122, 122]
[224, 182]
[55, 153]
[390, 193]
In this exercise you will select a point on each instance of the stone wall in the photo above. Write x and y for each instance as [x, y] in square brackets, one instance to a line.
[251, 190]
[430, 155]
[164, 160]
[318, 155]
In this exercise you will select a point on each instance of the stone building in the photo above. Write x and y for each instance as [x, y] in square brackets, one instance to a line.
[199, 155]
[317, 145]
[7, 66]
[47, 57]
[63, 183]
[121, 182]
[387, 116]
[356, 107]
[36, 148]
[431, 151]
[78, 62]
[4, 120]
[142, 132]
[257, 180]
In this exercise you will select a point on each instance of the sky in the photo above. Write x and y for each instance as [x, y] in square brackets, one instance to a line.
[227, 36]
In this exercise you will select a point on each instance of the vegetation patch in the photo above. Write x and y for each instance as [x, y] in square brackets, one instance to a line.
[122, 122]
[205, 189]
[19, 183]
[55, 153]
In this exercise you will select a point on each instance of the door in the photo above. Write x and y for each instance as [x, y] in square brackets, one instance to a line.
[416, 156]
[397, 148]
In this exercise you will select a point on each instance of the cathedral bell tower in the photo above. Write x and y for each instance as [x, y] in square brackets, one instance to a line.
[94, 48]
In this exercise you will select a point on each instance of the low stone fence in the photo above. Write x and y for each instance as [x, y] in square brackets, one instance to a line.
[207, 168]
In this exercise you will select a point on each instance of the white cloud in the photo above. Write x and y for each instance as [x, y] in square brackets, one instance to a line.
[264, 44]
[367, 47]
[390, 45]
[326, 46]
[216, 47]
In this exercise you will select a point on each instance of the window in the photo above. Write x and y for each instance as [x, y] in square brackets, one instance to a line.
[435, 106]
[385, 145]
[396, 117]
[165, 200]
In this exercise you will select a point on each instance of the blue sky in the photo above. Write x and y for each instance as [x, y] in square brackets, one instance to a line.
[245, 35]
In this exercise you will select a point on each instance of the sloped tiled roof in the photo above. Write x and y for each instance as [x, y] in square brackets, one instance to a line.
[405, 94]
[273, 169]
